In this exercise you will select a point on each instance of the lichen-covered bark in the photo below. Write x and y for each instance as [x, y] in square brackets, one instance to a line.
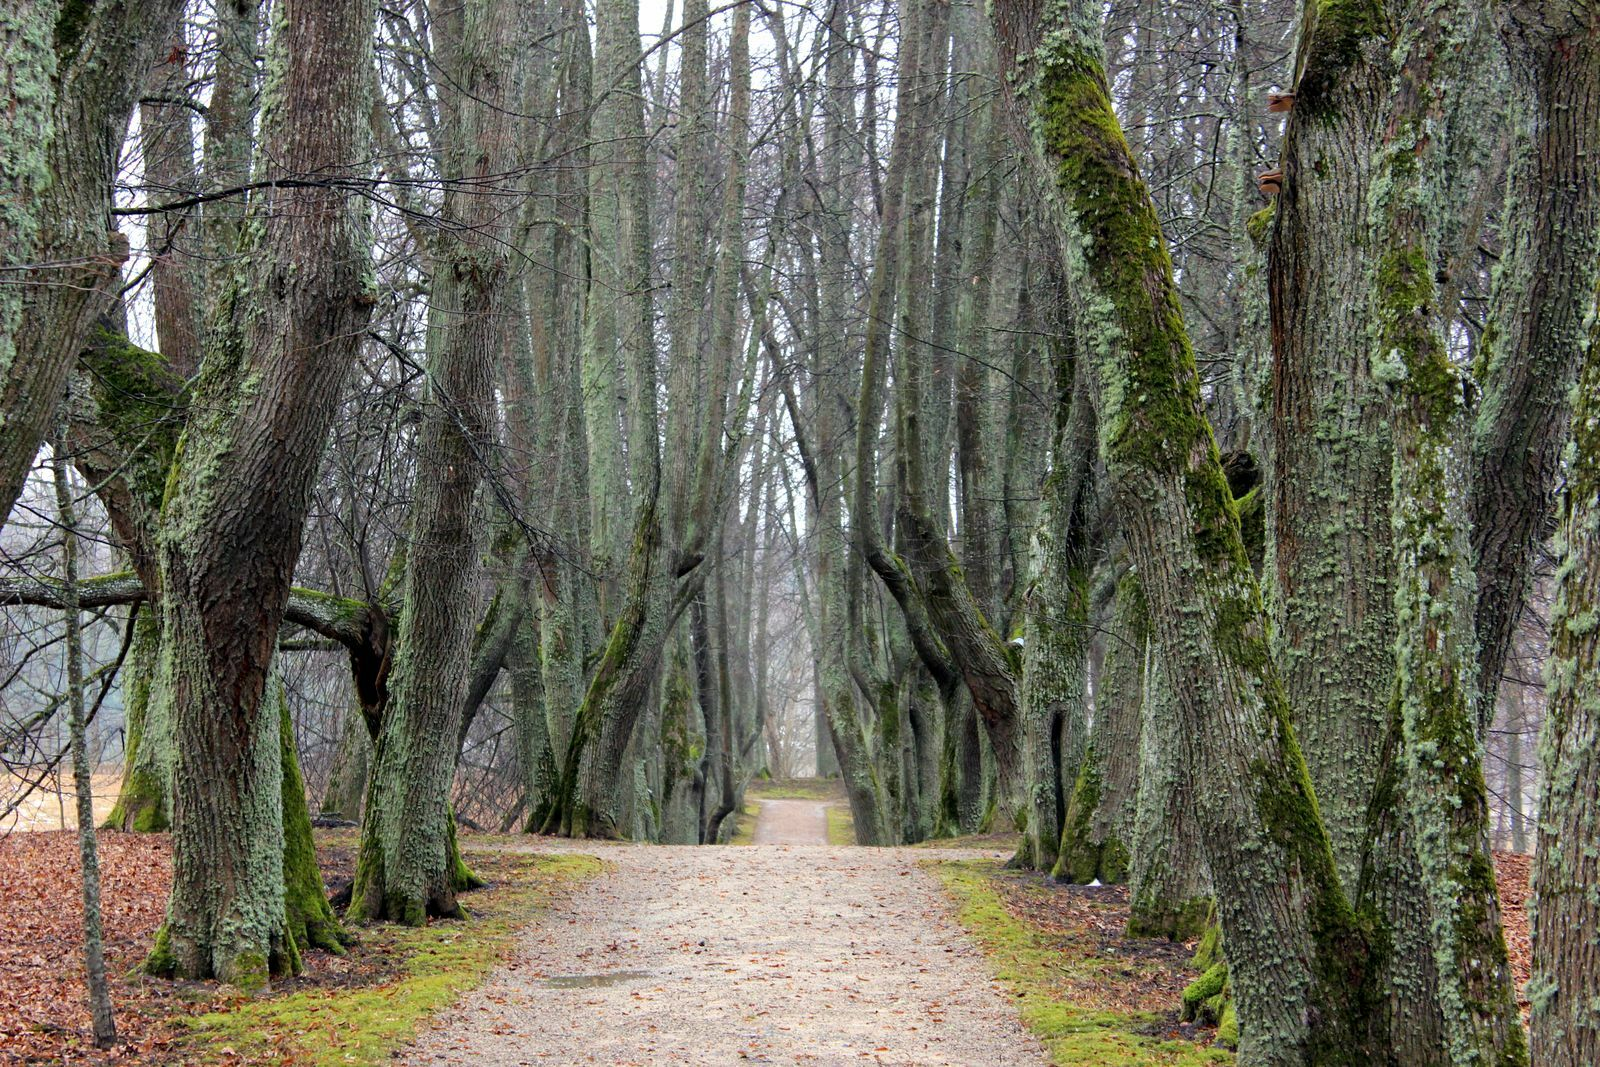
[1057, 636]
[1543, 294]
[27, 76]
[1328, 491]
[1169, 885]
[1435, 666]
[1290, 930]
[275, 363]
[1097, 832]
[405, 871]
[1565, 988]
[74, 73]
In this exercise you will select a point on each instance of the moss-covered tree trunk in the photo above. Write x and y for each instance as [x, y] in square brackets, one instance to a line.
[407, 867]
[276, 359]
[1565, 988]
[142, 799]
[1290, 932]
[72, 73]
[310, 919]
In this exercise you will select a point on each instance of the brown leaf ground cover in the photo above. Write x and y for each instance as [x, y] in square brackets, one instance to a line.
[350, 1009]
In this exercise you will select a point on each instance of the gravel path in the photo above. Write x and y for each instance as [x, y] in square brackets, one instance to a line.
[792, 822]
[762, 954]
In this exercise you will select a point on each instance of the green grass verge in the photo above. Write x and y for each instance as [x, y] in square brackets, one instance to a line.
[744, 831]
[324, 1027]
[795, 789]
[841, 825]
[1038, 972]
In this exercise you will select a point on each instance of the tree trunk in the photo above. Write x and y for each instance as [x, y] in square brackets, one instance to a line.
[1097, 829]
[352, 765]
[1170, 894]
[1565, 988]
[1543, 293]
[142, 800]
[94, 963]
[236, 503]
[72, 74]
[407, 868]
[1290, 932]
[310, 919]
[1435, 665]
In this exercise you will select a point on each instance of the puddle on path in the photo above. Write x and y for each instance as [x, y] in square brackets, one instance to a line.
[592, 981]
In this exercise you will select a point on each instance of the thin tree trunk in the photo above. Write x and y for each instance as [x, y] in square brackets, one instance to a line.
[94, 963]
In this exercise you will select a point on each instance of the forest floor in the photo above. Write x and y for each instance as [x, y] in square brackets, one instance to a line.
[792, 953]
[351, 1009]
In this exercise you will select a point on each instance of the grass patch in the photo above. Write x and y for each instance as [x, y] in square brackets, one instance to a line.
[1090, 1006]
[1009, 841]
[841, 825]
[434, 965]
[744, 828]
[795, 789]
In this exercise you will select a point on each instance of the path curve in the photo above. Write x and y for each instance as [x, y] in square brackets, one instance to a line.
[760, 954]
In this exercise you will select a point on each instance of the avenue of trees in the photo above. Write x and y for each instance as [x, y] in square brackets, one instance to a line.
[1168, 430]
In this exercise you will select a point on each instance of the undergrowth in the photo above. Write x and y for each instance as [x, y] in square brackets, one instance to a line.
[1047, 973]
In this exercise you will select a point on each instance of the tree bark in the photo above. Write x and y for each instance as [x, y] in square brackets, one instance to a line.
[1097, 829]
[408, 866]
[236, 503]
[1565, 987]
[1169, 886]
[72, 76]
[1543, 293]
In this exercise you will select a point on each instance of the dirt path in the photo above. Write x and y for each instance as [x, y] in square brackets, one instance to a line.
[792, 822]
[779, 955]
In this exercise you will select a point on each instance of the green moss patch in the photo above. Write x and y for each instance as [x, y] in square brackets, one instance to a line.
[366, 1017]
[1093, 996]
